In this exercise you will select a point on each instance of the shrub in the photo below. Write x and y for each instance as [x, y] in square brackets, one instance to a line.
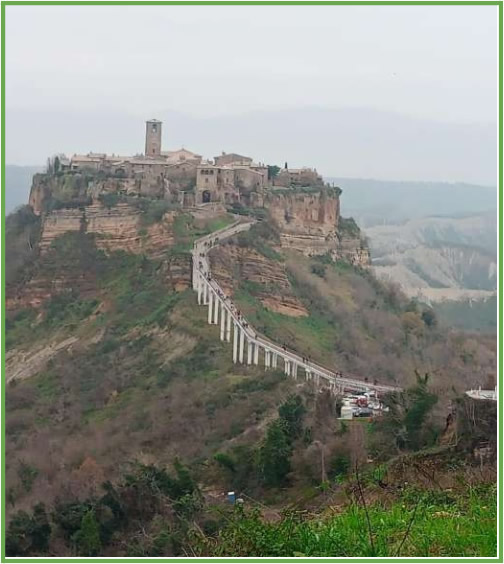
[318, 270]
[274, 455]
[87, 538]
[291, 413]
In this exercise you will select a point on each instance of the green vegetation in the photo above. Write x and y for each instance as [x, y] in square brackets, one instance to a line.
[324, 190]
[240, 209]
[469, 315]
[406, 426]
[416, 524]
[145, 362]
[22, 230]
[348, 227]
[89, 525]
[273, 171]
[187, 230]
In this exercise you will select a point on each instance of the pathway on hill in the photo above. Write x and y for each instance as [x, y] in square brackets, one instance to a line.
[248, 344]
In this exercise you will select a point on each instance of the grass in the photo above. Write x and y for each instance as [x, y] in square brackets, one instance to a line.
[313, 334]
[187, 230]
[464, 527]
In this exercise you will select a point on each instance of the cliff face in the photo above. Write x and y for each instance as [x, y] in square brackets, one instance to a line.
[231, 263]
[313, 214]
[118, 228]
[310, 223]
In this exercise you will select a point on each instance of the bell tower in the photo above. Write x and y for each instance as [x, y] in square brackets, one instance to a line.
[153, 138]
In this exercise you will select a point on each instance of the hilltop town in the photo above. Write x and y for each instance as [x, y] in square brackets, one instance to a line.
[184, 176]
[102, 194]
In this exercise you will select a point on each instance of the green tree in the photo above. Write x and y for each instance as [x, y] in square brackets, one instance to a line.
[273, 170]
[407, 419]
[87, 538]
[292, 412]
[274, 455]
[28, 534]
[429, 317]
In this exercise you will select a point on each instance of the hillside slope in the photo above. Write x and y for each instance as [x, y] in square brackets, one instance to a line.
[115, 361]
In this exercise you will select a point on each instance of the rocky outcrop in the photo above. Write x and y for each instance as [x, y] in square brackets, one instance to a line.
[20, 364]
[58, 222]
[309, 222]
[177, 270]
[231, 263]
[353, 250]
[118, 228]
[313, 213]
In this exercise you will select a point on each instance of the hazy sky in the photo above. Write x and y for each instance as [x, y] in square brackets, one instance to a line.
[86, 77]
[437, 62]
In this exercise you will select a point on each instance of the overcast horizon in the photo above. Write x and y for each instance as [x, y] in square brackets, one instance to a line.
[418, 82]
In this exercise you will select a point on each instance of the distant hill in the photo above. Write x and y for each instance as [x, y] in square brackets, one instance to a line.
[439, 258]
[17, 185]
[375, 202]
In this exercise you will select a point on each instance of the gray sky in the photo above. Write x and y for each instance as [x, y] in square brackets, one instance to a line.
[436, 63]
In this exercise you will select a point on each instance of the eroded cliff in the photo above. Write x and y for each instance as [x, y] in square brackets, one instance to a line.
[268, 277]
[308, 221]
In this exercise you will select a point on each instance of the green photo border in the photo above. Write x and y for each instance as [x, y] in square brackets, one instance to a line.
[499, 3]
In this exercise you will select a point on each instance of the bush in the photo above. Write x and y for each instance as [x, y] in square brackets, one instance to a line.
[28, 533]
[318, 270]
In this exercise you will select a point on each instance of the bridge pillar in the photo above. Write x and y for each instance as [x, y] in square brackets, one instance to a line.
[317, 379]
[236, 330]
[216, 309]
[210, 306]
[242, 345]
[274, 360]
[222, 323]
[205, 293]
[287, 366]
[249, 352]
[267, 358]
[307, 374]
[228, 327]
[256, 353]
[294, 370]
[199, 288]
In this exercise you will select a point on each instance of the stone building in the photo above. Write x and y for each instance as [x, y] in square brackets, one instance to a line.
[229, 183]
[232, 158]
[153, 138]
[298, 177]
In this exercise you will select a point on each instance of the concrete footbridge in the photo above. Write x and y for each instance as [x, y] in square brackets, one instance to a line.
[248, 345]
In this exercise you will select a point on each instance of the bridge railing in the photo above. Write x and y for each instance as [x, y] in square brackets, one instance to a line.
[333, 376]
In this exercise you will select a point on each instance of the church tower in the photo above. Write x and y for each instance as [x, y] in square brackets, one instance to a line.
[153, 138]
